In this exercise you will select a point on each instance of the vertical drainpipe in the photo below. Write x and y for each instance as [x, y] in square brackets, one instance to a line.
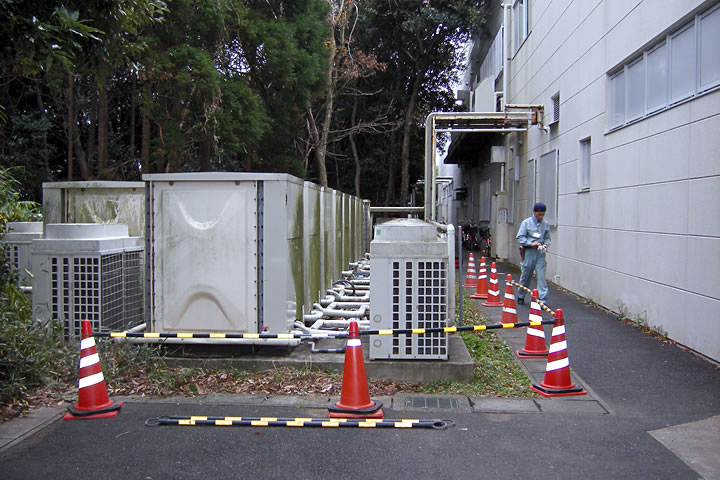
[507, 32]
[429, 164]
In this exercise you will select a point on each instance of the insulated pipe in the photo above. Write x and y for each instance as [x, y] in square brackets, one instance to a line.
[214, 341]
[317, 327]
[362, 312]
[506, 48]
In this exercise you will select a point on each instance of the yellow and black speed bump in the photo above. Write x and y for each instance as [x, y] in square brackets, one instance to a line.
[255, 336]
[298, 422]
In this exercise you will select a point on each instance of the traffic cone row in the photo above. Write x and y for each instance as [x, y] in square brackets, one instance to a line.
[471, 275]
[355, 399]
[93, 400]
[481, 292]
[493, 291]
[509, 313]
[535, 336]
[557, 382]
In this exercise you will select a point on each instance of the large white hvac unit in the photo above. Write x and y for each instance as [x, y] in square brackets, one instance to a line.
[88, 271]
[18, 241]
[224, 252]
[412, 287]
[96, 202]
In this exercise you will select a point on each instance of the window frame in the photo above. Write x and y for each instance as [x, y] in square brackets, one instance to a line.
[550, 157]
[521, 22]
[614, 81]
[584, 163]
[701, 88]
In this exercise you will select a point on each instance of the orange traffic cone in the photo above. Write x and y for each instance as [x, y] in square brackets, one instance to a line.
[481, 292]
[557, 382]
[355, 397]
[509, 313]
[493, 299]
[471, 276]
[535, 337]
[93, 400]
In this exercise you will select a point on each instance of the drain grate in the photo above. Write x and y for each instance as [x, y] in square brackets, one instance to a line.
[432, 402]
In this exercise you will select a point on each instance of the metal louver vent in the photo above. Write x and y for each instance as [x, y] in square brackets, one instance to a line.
[556, 108]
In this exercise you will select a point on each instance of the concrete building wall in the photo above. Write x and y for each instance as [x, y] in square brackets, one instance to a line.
[644, 239]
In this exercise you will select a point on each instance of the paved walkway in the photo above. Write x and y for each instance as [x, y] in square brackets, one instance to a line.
[652, 411]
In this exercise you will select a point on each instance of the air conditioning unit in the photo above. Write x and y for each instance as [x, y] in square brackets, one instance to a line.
[96, 202]
[411, 288]
[18, 240]
[88, 271]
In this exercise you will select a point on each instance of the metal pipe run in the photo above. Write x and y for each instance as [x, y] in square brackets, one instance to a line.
[212, 341]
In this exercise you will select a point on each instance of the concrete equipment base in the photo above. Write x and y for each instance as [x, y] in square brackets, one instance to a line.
[458, 367]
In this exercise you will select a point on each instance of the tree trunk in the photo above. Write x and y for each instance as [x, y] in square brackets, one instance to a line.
[145, 144]
[70, 125]
[102, 129]
[405, 154]
[205, 147]
[91, 153]
[389, 200]
[353, 148]
[133, 106]
[81, 157]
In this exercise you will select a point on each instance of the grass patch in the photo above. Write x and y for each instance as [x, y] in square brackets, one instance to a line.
[497, 373]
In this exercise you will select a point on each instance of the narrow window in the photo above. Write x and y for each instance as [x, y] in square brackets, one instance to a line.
[617, 99]
[657, 78]
[682, 64]
[547, 185]
[584, 167]
[708, 49]
[636, 89]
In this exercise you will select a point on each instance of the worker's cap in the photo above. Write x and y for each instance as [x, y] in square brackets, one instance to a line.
[539, 207]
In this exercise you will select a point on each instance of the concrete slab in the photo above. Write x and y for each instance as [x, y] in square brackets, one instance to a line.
[503, 405]
[459, 366]
[18, 429]
[697, 444]
[570, 406]
[431, 403]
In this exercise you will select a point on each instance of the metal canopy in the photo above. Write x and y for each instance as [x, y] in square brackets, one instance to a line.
[515, 118]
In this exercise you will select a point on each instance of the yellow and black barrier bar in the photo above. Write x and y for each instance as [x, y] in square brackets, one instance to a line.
[255, 336]
[246, 336]
[465, 328]
[298, 422]
[542, 305]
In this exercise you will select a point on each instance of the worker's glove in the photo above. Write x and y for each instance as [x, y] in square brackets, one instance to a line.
[542, 249]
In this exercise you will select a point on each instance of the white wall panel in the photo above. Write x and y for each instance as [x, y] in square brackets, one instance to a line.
[703, 213]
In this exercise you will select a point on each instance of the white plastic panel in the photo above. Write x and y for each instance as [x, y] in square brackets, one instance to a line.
[205, 256]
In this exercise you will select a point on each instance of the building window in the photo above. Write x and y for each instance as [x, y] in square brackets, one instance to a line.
[521, 20]
[547, 184]
[584, 166]
[681, 65]
[485, 199]
[511, 200]
[657, 68]
[709, 59]
[530, 186]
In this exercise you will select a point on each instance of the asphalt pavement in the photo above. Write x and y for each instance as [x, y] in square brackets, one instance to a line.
[652, 412]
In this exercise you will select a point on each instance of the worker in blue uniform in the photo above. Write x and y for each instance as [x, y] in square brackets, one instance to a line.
[534, 239]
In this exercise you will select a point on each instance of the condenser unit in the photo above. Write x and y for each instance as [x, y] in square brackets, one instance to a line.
[410, 288]
[96, 202]
[88, 271]
[18, 240]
